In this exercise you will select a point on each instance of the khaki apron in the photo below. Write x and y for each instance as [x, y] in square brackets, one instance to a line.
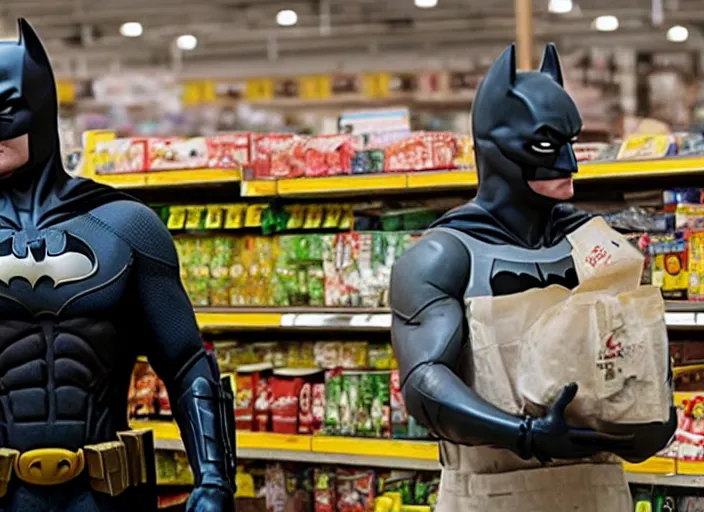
[486, 479]
[489, 479]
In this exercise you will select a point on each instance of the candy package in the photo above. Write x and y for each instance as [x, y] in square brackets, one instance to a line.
[355, 490]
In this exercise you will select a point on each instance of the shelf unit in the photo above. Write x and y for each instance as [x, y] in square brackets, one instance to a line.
[411, 455]
[338, 319]
[416, 455]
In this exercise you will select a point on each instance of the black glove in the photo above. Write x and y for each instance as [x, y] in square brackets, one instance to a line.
[210, 499]
[648, 439]
[551, 437]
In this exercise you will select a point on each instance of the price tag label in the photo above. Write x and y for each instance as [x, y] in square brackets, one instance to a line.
[687, 319]
[177, 218]
[194, 215]
[314, 217]
[333, 216]
[214, 217]
[347, 218]
[296, 216]
[253, 217]
[234, 216]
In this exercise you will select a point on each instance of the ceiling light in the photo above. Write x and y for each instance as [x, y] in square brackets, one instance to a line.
[187, 42]
[677, 34]
[131, 29]
[287, 18]
[426, 4]
[606, 23]
[560, 6]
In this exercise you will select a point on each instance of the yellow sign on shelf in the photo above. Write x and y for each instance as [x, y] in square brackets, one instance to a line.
[259, 89]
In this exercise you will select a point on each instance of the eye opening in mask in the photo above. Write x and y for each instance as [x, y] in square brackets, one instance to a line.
[543, 147]
[8, 109]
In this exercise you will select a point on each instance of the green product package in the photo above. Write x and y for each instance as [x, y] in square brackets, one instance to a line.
[349, 402]
[333, 399]
[220, 271]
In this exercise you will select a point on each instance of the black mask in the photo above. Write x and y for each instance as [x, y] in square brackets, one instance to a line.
[29, 106]
[524, 124]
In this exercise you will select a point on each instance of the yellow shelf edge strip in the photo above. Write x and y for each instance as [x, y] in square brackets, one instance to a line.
[240, 320]
[192, 176]
[423, 450]
[352, 183]
[392, 448]
[459, 179]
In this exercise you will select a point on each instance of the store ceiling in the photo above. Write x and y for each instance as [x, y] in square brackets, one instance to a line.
[83, 35]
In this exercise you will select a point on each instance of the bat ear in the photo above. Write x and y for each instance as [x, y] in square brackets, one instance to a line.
[502, 74]
[29, 40]
[551, 63]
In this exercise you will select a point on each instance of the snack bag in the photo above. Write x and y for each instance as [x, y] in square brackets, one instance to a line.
[333, 400]
[324, 490]
[608, 335]
[355, 490]
[399, 416]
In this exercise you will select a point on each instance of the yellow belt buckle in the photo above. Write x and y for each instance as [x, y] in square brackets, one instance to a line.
[49, 466]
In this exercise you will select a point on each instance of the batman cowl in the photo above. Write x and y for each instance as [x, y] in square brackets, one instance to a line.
[524, 124]
[40, 193]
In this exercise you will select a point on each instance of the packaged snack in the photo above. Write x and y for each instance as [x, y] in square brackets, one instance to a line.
[143, 395]
[121, 156]
[381, 356]
[648, 147]
[426, 489]
[262, 404]
[355, 355]
[401, 482]
[686, 352]
[183, 469]
[271, 155]
[310, 420]
[247, 383]
[349, 403]
[328, 354]
[324, 490]
[286, 387]
[333, 399]
[586, 151]
[220, 263]
[689, 216]
[399, 416]
[355, 490]
[165, 466]
[163, 401]
[276, 494]
[413, 153]
[228, 151]
[177, 153]
[670, 268]
[695, 263]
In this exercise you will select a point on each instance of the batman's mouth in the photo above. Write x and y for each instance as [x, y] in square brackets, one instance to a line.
[561, 189]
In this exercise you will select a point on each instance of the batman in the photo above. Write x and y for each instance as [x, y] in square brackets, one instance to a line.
[89, 280]
[510, 238]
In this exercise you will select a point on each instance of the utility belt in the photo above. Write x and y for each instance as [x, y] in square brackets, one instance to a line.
[111, 467]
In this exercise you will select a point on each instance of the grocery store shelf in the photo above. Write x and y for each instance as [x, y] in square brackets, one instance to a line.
[414, 455]
[458, 179]
[170, 178]
[219, 319]
[679, 316]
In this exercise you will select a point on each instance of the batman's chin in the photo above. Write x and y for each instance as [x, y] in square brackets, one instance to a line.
[558, 189]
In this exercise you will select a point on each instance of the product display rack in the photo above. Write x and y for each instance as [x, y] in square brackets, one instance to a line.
[391, 453]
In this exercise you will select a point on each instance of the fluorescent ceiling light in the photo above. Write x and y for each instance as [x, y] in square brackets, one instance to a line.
[426, 4]
[677, 34]
[560, 6]
[131, 29]
[287, 18]
[186, 42]
[606, 23]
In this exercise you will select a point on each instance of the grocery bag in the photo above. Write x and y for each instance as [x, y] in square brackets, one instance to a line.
[608, 335]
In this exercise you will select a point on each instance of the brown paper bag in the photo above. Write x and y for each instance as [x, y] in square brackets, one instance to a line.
[608, 335]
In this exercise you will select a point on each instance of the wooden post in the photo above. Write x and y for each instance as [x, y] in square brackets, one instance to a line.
[524, 33]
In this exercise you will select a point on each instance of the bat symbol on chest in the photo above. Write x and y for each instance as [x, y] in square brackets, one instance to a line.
[75, 262]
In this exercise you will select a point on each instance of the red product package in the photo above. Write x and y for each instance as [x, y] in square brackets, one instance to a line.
[444, 146]
[262, 404]
[413, 153]
[324, 490]
[355, 490]
[286, 387]
[229, 150]
[308, 423]
[163, 397]
[247, 383]
[270, 155]
[330, 155]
